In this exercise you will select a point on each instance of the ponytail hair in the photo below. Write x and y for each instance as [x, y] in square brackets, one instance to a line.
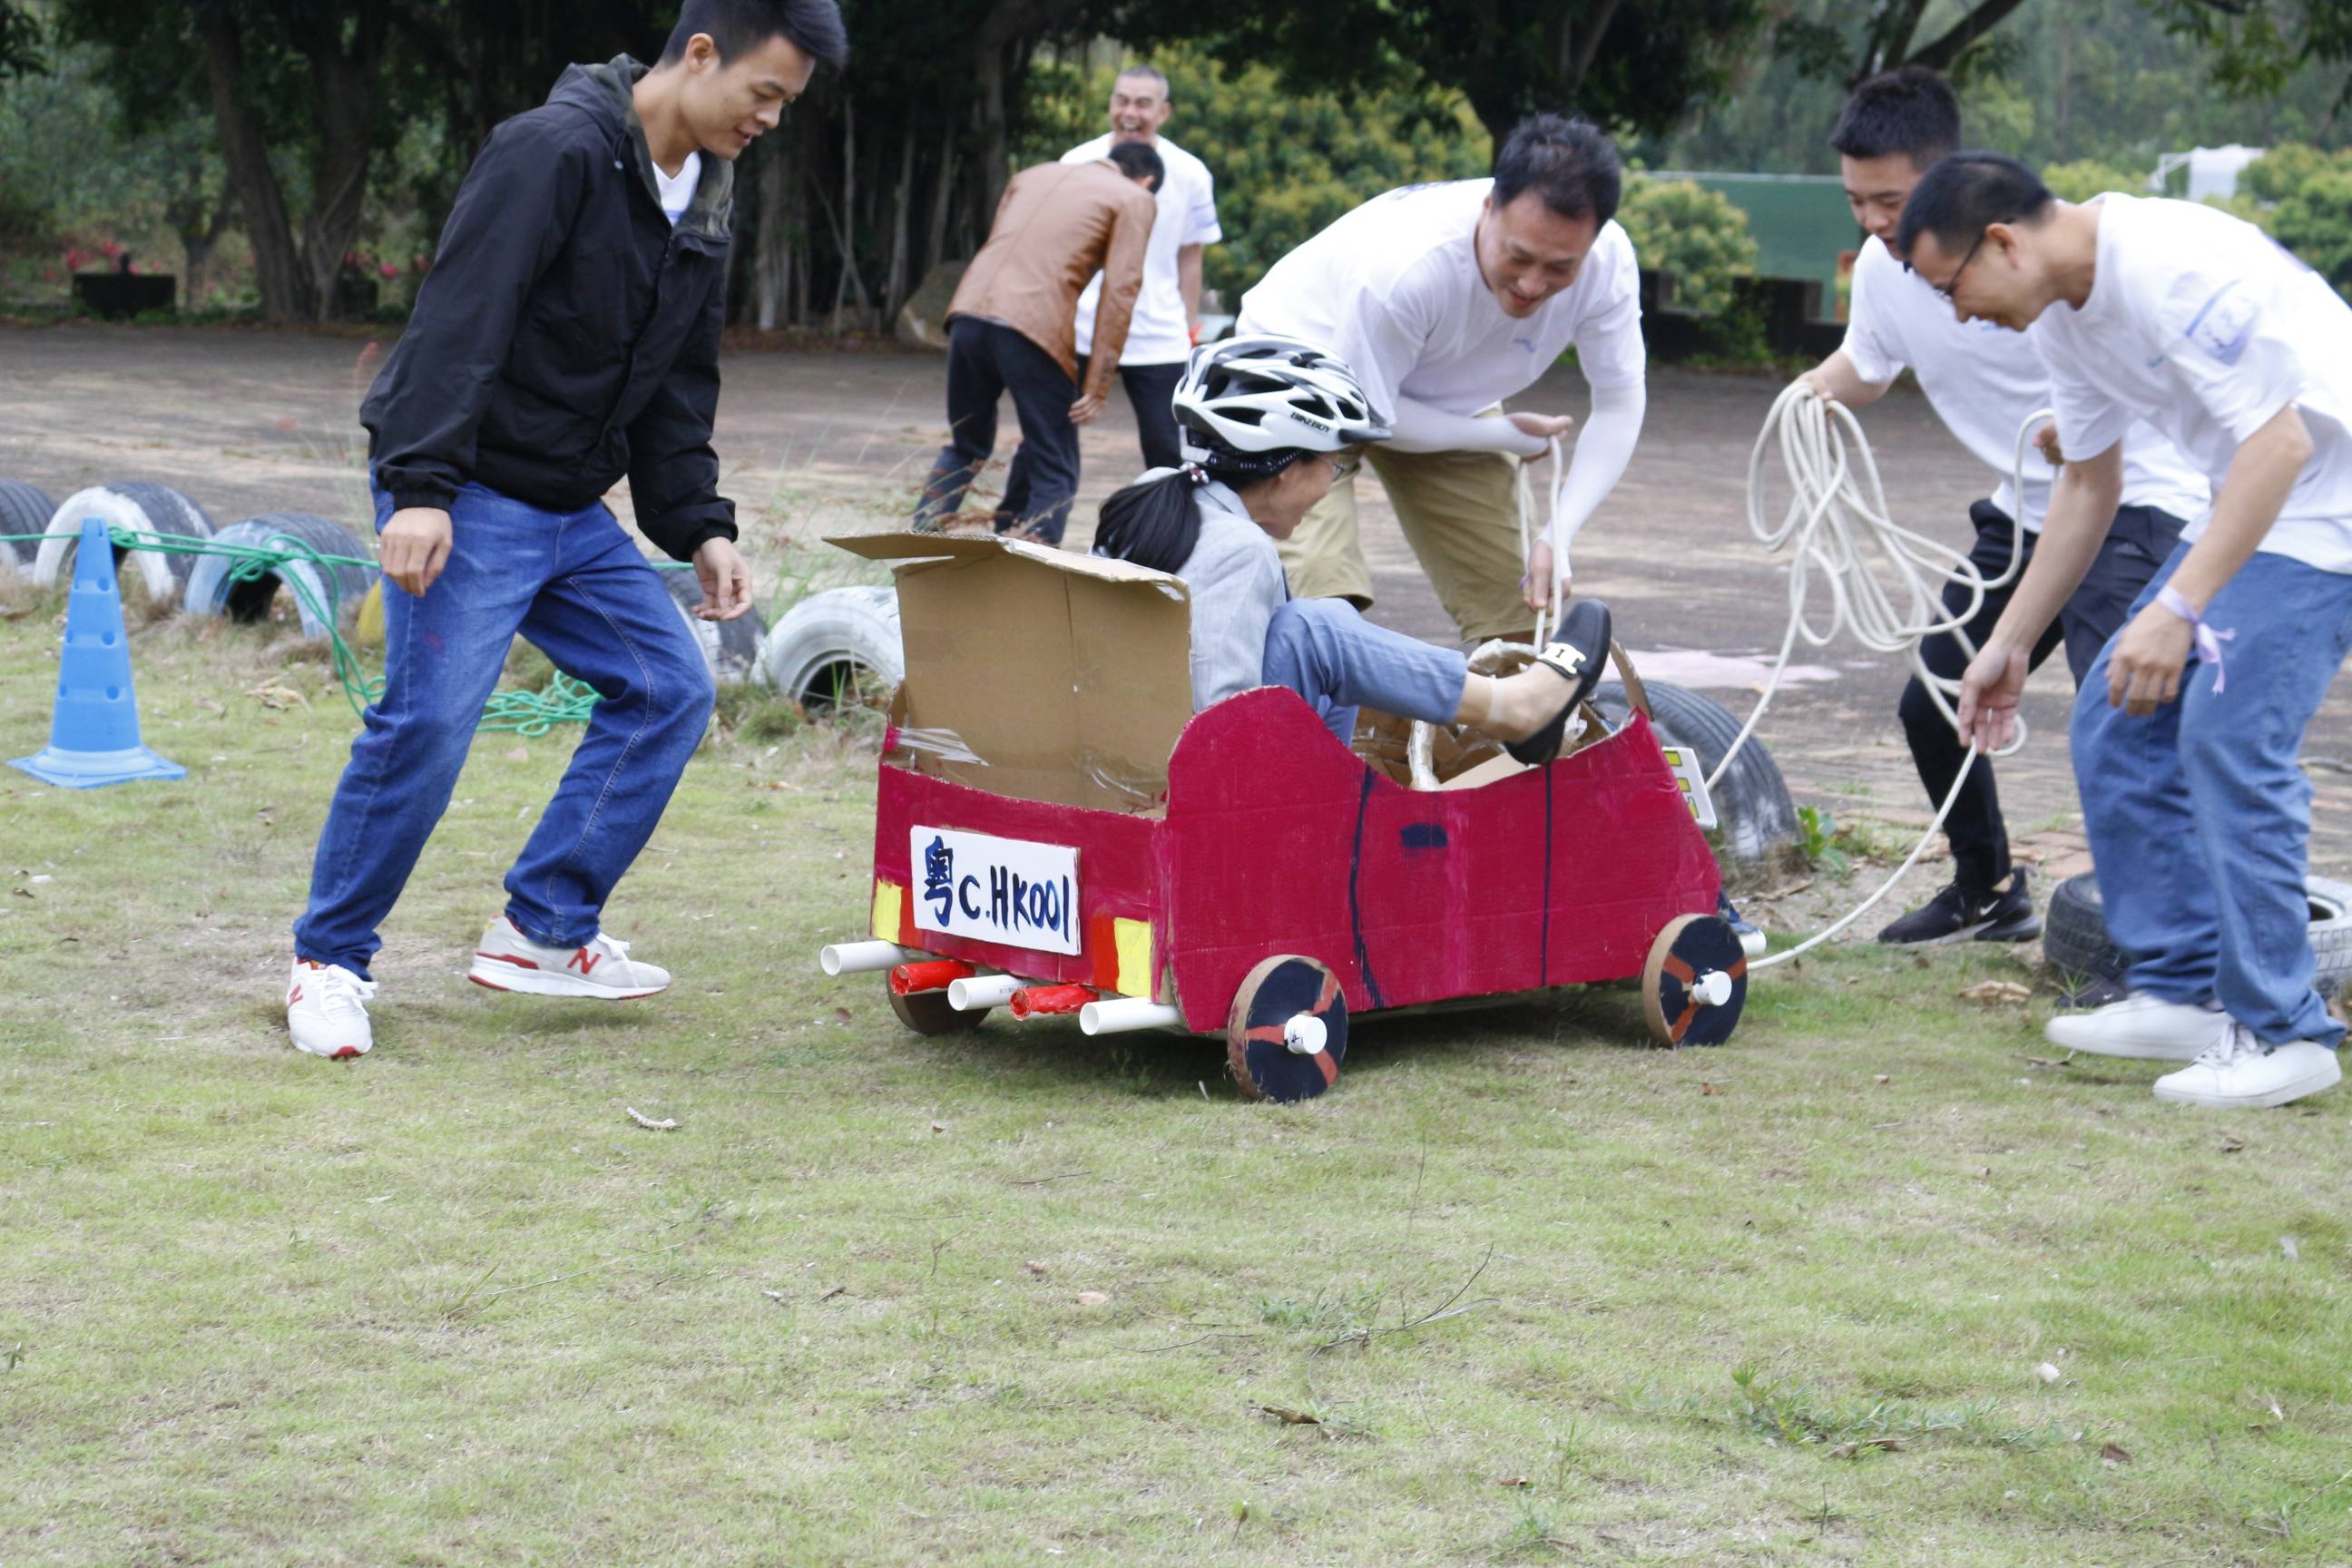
[1157, 523]
[1153, 522]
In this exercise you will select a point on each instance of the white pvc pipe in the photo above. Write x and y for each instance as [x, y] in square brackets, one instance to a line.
[979, 992]
[863, 957]
[1117, 1015]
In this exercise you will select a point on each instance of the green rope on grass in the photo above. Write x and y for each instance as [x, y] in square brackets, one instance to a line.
[563, 701]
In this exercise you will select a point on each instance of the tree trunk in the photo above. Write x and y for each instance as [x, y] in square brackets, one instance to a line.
[343, 79]
[894, 287]
[771, 268]
[943, 180]
[277, 265]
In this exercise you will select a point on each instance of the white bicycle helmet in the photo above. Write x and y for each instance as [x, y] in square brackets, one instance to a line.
[1253, 402]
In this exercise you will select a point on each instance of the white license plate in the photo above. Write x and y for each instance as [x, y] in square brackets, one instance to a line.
[1004, 891]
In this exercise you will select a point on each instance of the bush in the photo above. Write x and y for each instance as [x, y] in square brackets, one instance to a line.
[2087, 177]
[1695, 235]
[2310, 192]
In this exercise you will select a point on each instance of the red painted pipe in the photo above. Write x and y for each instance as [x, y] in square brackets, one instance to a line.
[929, 974]
[1051, 999]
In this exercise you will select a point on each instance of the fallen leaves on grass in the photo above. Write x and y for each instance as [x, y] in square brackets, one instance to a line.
[1291, 1418]
[2113, 1454]
[269, 694]
[520, 754]
[1094, 1298]
[669, 1124]
[2287, 1246]
[1036, 1269]
[2233, 1145]
[1997, 993]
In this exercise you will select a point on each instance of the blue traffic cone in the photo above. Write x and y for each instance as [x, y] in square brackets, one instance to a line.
[94, 732]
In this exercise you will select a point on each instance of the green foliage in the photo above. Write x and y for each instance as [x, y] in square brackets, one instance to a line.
[1817, 841]
[2088, 78]
[20, 41]
[2087, 177]
[1694, 234]
[1286, 166]
[2311, 217]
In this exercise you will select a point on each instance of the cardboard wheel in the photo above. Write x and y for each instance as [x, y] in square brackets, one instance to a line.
[1257, 1048]
[1684, 964]
[927, 1013]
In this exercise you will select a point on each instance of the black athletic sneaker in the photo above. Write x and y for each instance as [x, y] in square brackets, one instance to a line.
[1957, 915]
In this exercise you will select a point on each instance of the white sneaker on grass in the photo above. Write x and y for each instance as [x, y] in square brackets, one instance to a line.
[507, 960]
[2140, 1027]
[2241, 1073]
[326, 1010]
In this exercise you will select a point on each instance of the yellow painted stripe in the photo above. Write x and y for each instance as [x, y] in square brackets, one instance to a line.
[887, 896]
[1133, 939]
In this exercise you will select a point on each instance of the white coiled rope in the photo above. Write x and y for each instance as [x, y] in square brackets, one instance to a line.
[1844, 534]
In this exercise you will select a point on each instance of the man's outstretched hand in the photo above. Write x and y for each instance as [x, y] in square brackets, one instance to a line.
[414, 547]
[726, 580]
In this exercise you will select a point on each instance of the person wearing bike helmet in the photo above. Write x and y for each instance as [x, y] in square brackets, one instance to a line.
[1263, 418]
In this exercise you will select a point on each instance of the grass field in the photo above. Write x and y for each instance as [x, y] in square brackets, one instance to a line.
[1526, 1291]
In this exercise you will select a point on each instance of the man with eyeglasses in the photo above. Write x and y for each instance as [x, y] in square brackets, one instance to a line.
[2187, 728]
[1983, 383]
[1446, 300]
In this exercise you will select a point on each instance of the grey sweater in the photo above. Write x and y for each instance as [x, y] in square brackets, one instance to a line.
[1236, 584]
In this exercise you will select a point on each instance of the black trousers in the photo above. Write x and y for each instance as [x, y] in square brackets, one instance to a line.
[2139, 540]
[985, 360]
[1151, 392]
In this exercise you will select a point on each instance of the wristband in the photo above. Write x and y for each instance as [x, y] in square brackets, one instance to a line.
[2208, 641]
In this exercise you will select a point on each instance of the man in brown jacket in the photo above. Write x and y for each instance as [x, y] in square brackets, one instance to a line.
[1012, 326]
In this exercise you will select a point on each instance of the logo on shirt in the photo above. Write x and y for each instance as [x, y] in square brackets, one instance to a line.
[1527, 343]
[2222, 326]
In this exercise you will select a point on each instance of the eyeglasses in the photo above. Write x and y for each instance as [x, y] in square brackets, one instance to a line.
[1341, 472]
[1946, 288]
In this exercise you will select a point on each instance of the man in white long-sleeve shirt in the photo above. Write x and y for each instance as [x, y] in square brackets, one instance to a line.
[1447, 298]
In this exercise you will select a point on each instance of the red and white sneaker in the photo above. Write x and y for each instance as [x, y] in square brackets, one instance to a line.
[509, 961]
[326, 1010]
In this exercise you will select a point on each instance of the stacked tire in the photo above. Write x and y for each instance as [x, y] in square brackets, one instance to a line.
[325, 594]
[2075, 933]
[141, 507]
[24, 509]
[837, 649]
[1753, 809]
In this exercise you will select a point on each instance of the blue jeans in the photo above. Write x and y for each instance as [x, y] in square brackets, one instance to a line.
[1328, 653]
[575, 585]
[2199, 819]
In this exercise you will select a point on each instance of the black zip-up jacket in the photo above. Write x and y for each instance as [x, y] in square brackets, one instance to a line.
[567, 334]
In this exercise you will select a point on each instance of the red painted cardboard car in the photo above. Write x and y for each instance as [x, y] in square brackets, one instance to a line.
[1056, 831]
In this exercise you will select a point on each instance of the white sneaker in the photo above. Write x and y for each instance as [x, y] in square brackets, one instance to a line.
[2140, 1027]
[326, 1010]
[2241, 1073]
[509, 961]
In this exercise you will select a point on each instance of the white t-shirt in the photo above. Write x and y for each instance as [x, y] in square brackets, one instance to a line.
[1159, 332]
[1393, 288]
[1983, 380]
[678, 190]
[2199, 323]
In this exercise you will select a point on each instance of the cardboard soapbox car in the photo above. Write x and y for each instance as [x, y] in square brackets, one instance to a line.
[1056, 831]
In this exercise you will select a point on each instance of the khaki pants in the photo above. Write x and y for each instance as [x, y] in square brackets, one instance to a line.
[1460, 512]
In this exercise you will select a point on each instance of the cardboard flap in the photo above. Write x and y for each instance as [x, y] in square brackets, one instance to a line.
[906, 546]
[1035, 672]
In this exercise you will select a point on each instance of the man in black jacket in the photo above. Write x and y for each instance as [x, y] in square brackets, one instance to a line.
[567, 336]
